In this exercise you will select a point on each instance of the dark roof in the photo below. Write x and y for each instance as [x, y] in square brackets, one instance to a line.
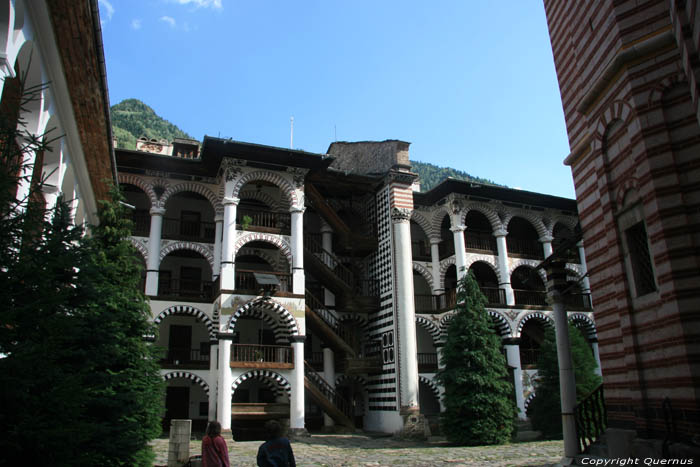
[493, 192]
[264, 156]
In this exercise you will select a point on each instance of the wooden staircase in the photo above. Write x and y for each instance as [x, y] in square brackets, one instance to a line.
[324, 324]
[330, 401]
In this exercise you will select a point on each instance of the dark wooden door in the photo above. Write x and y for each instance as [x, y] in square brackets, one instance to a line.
[180, 343]
[177, 404]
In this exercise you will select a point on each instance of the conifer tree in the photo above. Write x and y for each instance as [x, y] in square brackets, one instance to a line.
[479, 408]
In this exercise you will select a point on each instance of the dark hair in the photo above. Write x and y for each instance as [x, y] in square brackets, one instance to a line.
[273, 429]
[213, 429]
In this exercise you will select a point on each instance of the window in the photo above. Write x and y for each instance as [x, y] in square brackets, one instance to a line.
[640, 259]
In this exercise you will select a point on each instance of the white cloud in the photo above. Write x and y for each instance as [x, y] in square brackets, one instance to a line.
[216, 4]
[136, 23]
[168, 19]
[108, 9]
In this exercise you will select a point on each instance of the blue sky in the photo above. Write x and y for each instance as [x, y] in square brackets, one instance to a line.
[470, 84]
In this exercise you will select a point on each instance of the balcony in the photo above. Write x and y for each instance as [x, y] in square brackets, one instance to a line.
[251, 282]
[188, 230]
[142, 223]
[427, 362]
[420, 251]
[530, 297]
[480, 241]
[578, 301]
[428, 304]
[529, 357]
[185, 358]
[264, 221]
[187, 289]
[261, 356]
[524, 248]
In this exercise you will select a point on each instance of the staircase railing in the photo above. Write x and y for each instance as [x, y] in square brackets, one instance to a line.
[330, 393]
[330, 260]
[326, 315]
[317, 201]
[591, 418]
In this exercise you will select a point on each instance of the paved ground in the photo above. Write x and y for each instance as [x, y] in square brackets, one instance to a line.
[359, 450]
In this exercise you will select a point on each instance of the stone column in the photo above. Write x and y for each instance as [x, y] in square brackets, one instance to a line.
[228, 260]
[329, 376]
[213, 371]
[596, 355]
[153, 262]
[512, 347]
[586, 284]
[546, 242]
[406, 311]
[223, 403]
[460, 250]
[435, 262]
[296, 406]
[298, 281]
[500, 235]
[219, 220]
[556, 279]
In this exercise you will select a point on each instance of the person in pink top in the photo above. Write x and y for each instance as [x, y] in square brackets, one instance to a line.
[214, 450]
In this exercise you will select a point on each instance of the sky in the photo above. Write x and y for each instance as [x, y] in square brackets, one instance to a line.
[470, 84]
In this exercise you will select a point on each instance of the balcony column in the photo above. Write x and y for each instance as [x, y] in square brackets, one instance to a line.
[460, 250]
[435, 263]
[296, 406]
[153, 262]
[227, 279]
[596, 355]
[223, 406]
[546, 242]
[219, 220]
[503, 272]
[329, 376]
[298, 281]
[213, 360]
[586, 284]
[406, 310]
[327, 244]
[512, 347]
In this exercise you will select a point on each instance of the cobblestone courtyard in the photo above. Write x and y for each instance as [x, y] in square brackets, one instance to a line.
[361, 450]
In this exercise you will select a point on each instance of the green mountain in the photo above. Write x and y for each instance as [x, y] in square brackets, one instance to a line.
[132, 119]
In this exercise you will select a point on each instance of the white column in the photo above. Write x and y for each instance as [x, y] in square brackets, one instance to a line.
[296, 406]
[327, 244]
[460, 250]
[408, 359]
[513, 359]
[329, 376]
[223, 405]
[50, 196]
[298, 281]
[435, 262]
[153, 262]
[586, 284]
[219, 220]
[546, 242]
[213, 370]
[596, 355]
[228, 267]
[500, 235]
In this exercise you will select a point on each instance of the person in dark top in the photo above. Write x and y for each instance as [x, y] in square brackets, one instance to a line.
[276, 451]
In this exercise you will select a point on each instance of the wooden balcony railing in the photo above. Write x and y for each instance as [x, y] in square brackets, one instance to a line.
[448, 300]
[186, 288]
[266, 356]
[525, 247]
[530, 297]
[246, 281]
[180, 229]
[591, 418]
[529, 356]
[478, 240]
[266, 221]
[581, 300]
[142, 223]
[186, 358]
[427, 362]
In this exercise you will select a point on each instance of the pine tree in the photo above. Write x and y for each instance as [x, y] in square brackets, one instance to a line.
[479, 408]
[545, 409]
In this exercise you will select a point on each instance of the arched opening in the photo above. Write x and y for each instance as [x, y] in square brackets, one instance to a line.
[185, 274]
[427, 354]
[562, 236]
[449, 298]
[422, 294]
[528, 287]
[261, 335]
[429, 403]
[488, 282]
[446, 247]
[354, 392]
[185, 341]
[185, 399]
[420, 245]
[262, 268]
[260, 209]
[140, 215]
[257, 397]
[522, 239]
[478, 233]
[189, 216]
[531, 338]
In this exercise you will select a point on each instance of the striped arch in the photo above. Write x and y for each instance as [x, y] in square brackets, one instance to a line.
[429, 326]
[275, 240]
[267, 176]
[187, 375]
[216, 315]
[629, 183]
[573, 272]
[140, 247]
[444, 266]
[187, 310]
[437, 218]
[351, 379]
[531, 263]
[423, 271]
[538, 315]
[484, 209]
[346, 318]
[618, 110]
[502, 324]
[444, 324]
[490, 260]
[529, 399]
[420, 219]
[280, 332]
[662, 86]
[286, 320]
[431, 384]
[281, 385]
[585, 324]
[197, 247]
[189, 186]
[534, 220]
[568, 221]
[261, 254]
[261, 196]
[147, 188]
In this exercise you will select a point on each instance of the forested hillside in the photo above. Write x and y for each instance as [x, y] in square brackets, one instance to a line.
[132, 119]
